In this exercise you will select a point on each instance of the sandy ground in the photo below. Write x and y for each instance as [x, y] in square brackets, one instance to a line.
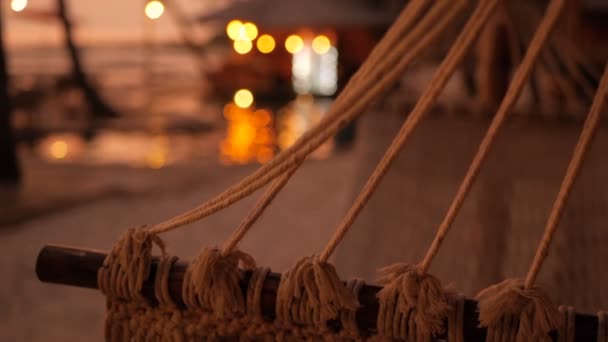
[299, 223]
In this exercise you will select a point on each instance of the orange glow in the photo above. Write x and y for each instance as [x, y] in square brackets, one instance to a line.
[242, 46]
[59, 149]
[294, 43]
[249, 136]
[321, 44]
[264, 155]
[266, 43]
[154, 9]
[157, 158]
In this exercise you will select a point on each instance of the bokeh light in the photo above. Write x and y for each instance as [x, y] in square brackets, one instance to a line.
[294, 44]
[243, 98]
[321, 44]
[249, 136]
[154, 9]
[58, 149]
[250, 31]
[234, 28]
[242, 46]
[266, 43]
[18, 5]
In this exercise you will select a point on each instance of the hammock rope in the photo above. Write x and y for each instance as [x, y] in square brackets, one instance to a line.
[513, 92]
[582, 146]
[413, 305]
[433, 90]
[528, 304]
[397, 58]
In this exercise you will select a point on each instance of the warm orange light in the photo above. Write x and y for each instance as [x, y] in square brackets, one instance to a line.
[294, 44]
[18, 5]
[249, 135]
[234, 28]
[156, 160]
[264, 155]
[243, 98]
[154, 9]
[321, 44]
[266, 43]
[250, 31]
[242, 46]
[59, 149]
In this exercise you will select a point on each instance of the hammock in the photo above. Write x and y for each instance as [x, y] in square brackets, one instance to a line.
[223, 295]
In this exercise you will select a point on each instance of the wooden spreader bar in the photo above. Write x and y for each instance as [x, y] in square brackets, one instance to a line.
[78, 267]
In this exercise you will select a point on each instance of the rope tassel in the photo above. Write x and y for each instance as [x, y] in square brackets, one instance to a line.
[536, 314]
[409, 292]
[128, 264]
[211, 282]
[312, 293]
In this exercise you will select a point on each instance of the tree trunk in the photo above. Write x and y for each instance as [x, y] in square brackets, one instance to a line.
[99, 108]
[9, 166]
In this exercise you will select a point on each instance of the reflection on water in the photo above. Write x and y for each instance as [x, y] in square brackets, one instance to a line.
[136, 149]
[61, 147]
[298, 117]
[249, 136]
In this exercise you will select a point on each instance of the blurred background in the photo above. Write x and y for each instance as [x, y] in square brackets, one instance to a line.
[120, 113]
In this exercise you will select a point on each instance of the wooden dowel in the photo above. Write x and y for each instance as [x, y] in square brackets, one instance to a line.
[78, 267]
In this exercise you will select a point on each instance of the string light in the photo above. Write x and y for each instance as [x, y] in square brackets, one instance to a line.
[321, 44]
[154, 9]
[243, 98]
[266, 43]
[294, 44]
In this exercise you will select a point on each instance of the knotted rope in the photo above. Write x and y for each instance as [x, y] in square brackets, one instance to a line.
[419, 273]
[419, 298]
[122, 276]
[311, 293]
[212, 280]
[527, 303]
[413, 303]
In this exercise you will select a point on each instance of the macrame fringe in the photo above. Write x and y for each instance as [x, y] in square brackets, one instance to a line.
[211, 282]
[312, 293]
[127, 266]
[411, 293]
[532, 310]
[121, 279]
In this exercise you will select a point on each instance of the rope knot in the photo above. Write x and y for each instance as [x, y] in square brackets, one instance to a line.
[212, 282]
[409, 292]
[536, 314]
[127, 266]
[312, 292]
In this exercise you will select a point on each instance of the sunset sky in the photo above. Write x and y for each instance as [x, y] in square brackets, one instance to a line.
[97, 21]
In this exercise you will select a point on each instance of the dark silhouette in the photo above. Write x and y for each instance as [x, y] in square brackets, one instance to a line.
[9, 165]
[99, 108]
